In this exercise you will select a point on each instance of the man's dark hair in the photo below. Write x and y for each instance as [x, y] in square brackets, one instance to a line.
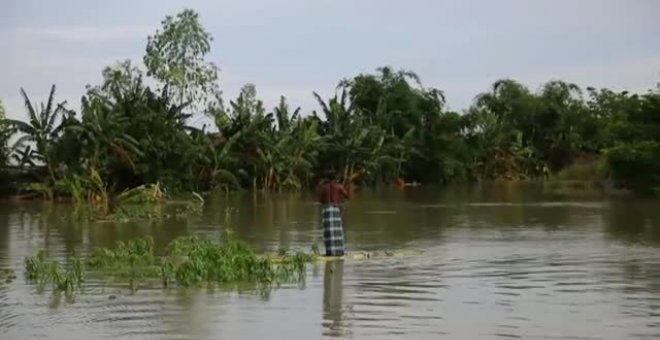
[331, 175]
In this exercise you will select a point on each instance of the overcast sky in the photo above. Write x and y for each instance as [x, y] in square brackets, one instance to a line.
[294, 47]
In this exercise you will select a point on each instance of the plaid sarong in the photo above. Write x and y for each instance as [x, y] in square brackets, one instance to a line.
[333, 230]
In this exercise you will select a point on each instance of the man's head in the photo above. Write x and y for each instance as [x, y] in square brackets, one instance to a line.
[331, 175]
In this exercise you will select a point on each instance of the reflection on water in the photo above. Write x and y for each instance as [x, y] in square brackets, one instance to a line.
[332, 298]
[498, 261]
[634, 221]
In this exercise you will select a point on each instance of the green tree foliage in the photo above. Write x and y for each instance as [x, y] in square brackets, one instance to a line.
[272, 150]
[43, 129]
[5, 133]
[175, 57]
[378, 128]
[133, 135]
[632, 137]
[414, 136]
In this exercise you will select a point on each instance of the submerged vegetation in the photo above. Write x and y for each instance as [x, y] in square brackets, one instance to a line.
[378, 128]
[42, 270]
[187, 261]
[7, 275]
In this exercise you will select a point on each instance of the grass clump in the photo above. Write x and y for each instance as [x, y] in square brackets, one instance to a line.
[42, 270]
[187, 261]
[192, 261]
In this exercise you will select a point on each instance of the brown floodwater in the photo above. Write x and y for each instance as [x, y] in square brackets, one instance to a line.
[496, 261]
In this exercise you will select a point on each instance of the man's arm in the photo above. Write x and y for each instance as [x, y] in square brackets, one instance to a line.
[343, 191]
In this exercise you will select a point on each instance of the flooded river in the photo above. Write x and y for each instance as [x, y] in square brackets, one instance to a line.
[496, 262]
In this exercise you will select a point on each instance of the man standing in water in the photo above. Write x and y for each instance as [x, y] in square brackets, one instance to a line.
[331, 196]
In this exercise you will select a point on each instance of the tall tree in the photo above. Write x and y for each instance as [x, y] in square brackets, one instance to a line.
[175, 56]
[504, 123]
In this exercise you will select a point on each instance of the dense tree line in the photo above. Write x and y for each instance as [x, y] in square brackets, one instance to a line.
[378, 128]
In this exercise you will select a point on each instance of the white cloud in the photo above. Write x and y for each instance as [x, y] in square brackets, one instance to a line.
[88, 33]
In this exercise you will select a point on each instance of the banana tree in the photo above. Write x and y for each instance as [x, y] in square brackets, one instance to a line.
[102, 134]
[297, 153]
[246, 126]
[305, 144]
[41, 129]
[350, 142]
[217, 165]
[23, 156]
[291, 149]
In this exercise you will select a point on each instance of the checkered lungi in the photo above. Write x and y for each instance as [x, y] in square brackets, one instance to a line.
[333, 230]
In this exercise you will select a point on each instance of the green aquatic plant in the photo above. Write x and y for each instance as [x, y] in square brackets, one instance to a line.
[36, 267]
[142, 194]
[133, 252]
[149, 203]
[154, 211]
[42, 270]
[187, 261]
[192, 261]
[129, 212]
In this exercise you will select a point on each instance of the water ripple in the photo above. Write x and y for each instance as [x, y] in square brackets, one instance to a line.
[531, 270]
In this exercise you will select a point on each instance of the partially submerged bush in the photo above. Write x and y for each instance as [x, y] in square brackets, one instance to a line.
[142, 194]
[636, 166]
[42, 270]
[191, 261]
[586, 170]
[188, 261]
